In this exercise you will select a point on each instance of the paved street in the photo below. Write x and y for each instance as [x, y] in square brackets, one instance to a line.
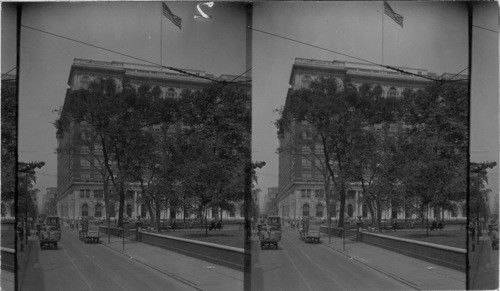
[79, 266]
[300, 266]
[484, 266]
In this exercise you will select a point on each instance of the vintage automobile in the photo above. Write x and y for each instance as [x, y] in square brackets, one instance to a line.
[270, 235]
[50, 232]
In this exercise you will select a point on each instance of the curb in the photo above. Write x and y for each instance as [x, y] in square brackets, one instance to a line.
[395, 277]
[173, 276]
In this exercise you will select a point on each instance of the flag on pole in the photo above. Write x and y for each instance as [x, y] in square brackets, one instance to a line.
[168, 14]
[389, 12]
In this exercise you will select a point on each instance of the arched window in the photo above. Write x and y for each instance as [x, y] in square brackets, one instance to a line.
[319, 210]
[85, 82]
[98, 210]
[129, 210]
[394, 211]
[170, 93]
[392, 92]
[4, 210]
[112, 210]
[306, 81]
[143, 210]
[436, 213]
[305, 210]
[334, 210]
[365, 211]
[173, 213]
[85, 210]
[350, 210]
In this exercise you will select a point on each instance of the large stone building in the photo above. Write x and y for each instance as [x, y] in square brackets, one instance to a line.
[49, 201]
[79, 181]
[301, 186]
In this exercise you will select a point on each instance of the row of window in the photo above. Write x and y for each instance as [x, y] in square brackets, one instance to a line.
[306, 193]
[85, 149]
[85, 177]
[306, 82]
[86, 80]
[85, 193]
[86, 164]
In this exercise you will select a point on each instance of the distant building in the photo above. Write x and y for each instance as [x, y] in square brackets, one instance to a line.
[50, 205]
[79, 181]
[271, 202]
[300, 185]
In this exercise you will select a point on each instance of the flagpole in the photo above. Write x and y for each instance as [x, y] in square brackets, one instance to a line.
[161, 43]
[383, 33]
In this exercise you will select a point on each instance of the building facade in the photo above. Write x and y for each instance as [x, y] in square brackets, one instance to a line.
[300, 184]
[79, 179]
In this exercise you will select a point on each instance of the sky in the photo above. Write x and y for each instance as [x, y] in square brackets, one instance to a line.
[216, 46]
[434, 37]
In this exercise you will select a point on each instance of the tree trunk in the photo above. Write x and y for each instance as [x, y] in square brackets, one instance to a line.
[427, 219]
[379, 215]
[342, 204]
[158, 215]
[106, 199]
[206, 221]
[152, 216]
[328, 208]
[121, 195]
[372, 213]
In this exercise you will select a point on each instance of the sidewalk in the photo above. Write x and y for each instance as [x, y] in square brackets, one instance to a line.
[8, 279]
[475, 255]
[413, 272]
[22, 259]
[197, 273]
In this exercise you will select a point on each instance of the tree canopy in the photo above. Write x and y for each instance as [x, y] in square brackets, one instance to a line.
[406, 150]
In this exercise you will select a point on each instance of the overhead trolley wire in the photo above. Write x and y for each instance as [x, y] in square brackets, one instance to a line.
[125, 55]
[9, 71]
[346, 55]
[232, 81]
[480, 27]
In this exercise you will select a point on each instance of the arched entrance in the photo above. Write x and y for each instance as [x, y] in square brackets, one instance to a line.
[319, 210]
[305, 210]
[98, 210]
[85, 210]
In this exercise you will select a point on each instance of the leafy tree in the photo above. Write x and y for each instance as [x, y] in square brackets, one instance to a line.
[9, 141]
[117, 120]
[436, 145]
[216, 133]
